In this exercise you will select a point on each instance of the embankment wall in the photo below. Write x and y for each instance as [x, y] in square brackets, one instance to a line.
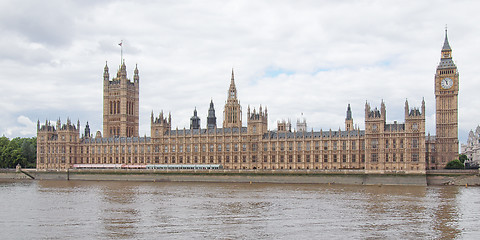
[459, 178]
[230, 176]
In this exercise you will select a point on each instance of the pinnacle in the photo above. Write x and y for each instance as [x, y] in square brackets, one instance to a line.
[446, 45]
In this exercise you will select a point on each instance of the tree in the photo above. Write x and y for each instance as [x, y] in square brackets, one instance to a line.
[21, 151]
[462, 158]
[455, 164]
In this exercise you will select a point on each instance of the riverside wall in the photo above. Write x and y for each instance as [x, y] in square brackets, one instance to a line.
[236, 176]
[453, 177]
[443, 177]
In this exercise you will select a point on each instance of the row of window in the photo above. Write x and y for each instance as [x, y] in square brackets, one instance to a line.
[393, 143]
[394, 157]
[298, 146]
[243, 159]
[228, 147]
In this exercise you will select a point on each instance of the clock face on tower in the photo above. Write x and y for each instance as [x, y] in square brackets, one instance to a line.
[447, 83]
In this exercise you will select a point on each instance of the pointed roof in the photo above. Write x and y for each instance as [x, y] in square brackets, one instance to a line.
[446, 45]
[349, 113]
[122, 71]
[232, 88]
[211, 104]
[446, 56]
[232, 81]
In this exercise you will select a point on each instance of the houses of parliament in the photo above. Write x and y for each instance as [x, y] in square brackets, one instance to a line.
[398, 147]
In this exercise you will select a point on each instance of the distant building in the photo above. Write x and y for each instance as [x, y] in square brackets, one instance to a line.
[284, 126]
[380, 148]
[472, 148]
[302, 124]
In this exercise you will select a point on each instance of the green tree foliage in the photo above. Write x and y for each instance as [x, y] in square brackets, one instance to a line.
[455, 164]
[462, 158]
[21, 151]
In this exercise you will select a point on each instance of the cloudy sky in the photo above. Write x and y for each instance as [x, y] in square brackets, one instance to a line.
[311, 57]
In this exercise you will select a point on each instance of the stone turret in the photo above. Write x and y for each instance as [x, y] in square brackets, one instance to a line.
[211, 119]
[349, 119]
[120, 103]
[302, 124]
[232, 115]
[160, 125]
[257, 123]
[195, 120]
[106, 75]
[284, 126]
[375, 119]
[87, 131]
[136, 78]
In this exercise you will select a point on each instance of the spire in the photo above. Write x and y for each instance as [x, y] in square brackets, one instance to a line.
[106, 75]
[446, 45]
[135, 74]
[232, 91]
[367, 108]
[423, 106]
[211, 119]
[87, 130]
[383, 109]
[446, 56]
[122, 71]
[407, 108]
[349, 113]
[232, 115]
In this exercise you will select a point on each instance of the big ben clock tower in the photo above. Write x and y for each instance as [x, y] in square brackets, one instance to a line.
[446, 97]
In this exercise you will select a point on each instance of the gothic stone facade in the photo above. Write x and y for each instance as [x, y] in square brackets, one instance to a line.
[472, 148]
[382, 147]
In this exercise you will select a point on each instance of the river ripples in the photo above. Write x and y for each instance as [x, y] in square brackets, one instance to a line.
[169, 210]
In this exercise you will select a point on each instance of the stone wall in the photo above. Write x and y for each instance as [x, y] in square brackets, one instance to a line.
[233, 176]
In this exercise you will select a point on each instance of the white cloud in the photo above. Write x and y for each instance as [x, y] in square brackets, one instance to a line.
[22, 127]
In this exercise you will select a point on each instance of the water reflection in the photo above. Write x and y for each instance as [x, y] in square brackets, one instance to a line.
[445, 212]
[127, 210]
[119, 214]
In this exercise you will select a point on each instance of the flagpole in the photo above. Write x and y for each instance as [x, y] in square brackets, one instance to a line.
[121, 52]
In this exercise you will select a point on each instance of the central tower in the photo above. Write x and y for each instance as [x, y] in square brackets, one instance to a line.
[120, 103]
[232, 115]
[446, 97]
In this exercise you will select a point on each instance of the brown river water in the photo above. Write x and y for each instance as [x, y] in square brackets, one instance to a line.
[174, 210]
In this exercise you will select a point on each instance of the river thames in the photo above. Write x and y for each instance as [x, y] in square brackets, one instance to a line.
[173, 210]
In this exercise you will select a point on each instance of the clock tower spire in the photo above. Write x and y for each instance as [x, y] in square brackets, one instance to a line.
[446, 98]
